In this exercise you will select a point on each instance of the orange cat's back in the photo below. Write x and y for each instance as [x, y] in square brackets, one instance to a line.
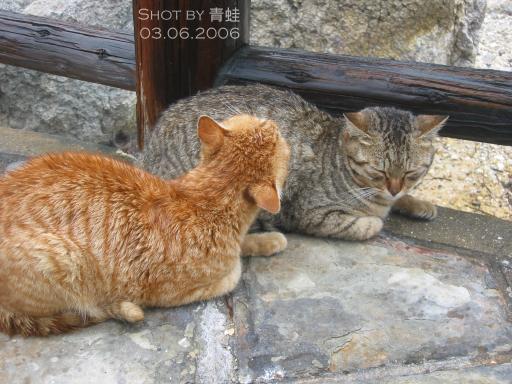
[84, 238]
[61, 215]
[70, 170]
[63, 189]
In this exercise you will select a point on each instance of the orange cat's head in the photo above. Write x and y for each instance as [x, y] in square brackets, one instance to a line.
[249, 150]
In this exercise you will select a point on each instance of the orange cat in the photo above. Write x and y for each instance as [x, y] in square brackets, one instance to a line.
[84, 238]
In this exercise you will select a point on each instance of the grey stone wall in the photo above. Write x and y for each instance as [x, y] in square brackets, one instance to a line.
[495, 48]
[438, 31]
[40, 102]
[434, 31]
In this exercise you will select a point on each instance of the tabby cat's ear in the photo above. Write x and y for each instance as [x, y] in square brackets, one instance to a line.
[356, 124]
[430, 124]
[210, 132]
[266, 197]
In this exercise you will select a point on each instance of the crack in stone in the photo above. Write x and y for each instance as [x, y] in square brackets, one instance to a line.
[343, 335]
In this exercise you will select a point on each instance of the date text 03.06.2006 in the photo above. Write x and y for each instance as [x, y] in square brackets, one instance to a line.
[186, 33]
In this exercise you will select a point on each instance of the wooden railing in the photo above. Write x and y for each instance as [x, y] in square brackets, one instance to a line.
[69, 50]
[171, 68]
[479, 102]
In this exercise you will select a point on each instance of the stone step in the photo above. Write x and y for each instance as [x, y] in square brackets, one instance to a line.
[323, 311]
[17, 145]
[422, 303]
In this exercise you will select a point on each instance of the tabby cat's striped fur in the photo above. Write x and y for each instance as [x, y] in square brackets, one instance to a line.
[345, 174]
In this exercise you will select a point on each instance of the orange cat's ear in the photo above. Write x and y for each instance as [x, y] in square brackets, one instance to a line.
[210, 132]
[266, 197]
[430, 124]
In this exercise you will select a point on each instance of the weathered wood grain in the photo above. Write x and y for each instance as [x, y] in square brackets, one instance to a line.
[172, 68]
[479, 102]
[66, 49]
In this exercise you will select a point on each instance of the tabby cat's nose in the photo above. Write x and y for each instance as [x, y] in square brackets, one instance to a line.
[394, 185]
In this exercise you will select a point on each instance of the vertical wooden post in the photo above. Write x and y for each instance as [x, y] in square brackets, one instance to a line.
[179, 47]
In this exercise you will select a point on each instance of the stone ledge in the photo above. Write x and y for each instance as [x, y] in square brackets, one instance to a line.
[457, 229]
[324, 311]
[485, 239]
[425, 374]
[17, 144]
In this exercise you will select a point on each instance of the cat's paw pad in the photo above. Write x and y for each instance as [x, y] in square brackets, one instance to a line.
[131, 312]
[275, 242]
[367, 227]
[427, 211]
[263, 244]
[362, 228]
[419, 210]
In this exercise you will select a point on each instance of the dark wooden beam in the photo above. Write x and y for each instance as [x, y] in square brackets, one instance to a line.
[479, 102]
[66, 49]
[177, 57]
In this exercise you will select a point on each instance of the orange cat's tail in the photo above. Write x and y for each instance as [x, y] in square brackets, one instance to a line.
[15, 323]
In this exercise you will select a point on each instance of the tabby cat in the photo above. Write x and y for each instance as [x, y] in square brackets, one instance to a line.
[345, 173]
[84, 237]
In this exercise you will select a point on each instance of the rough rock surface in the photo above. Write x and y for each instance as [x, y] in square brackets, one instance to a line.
[324, 311]
[36, 101]
[477, 177]
[472, 177]
[495, 51]
[320, 308]
[437, 31]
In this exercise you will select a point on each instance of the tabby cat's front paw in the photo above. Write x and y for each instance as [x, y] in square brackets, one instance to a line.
[415, 208]
[263, 244]
[363, 228]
